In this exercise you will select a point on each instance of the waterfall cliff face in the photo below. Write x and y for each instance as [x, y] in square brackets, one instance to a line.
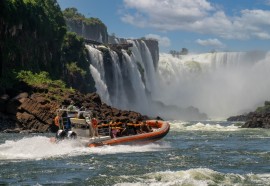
[96, 32]
[124, 80]
[219, 84]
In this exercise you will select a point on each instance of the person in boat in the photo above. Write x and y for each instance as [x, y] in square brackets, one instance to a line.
[64, 127]
[89, 122]
[71, 107]
[94, 124]
[57, 119]
[66, 121]
[145, 127]
[114, 132]
[124, 131]
[80, 114]
[131, 129]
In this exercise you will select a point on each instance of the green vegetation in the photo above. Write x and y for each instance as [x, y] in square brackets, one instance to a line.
[34, 39]
[73, 49]
[175, 53]
[73, 14]
[74, 56]
[41, 80]
[184, 51]
[74, 69]
[265, 108]
[90, 28]
[31, 33]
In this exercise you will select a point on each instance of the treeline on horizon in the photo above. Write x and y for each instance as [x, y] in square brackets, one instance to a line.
[34, 38]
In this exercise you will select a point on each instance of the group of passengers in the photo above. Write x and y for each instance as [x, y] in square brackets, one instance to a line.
[117, 129]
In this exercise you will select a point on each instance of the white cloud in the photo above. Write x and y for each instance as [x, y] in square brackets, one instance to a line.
[267, 2]
[210, 42]
[136, 19]
[262, 35]
[163, 41]
[198, 16]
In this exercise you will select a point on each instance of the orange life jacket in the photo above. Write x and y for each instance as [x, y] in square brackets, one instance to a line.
[56, 121]
[94, 122]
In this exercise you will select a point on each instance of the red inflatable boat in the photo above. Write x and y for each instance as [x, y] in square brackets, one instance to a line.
[158, 130]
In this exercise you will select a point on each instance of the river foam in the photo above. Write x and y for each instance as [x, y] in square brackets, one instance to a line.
[196, 177]
[40, 147]
[206, 126]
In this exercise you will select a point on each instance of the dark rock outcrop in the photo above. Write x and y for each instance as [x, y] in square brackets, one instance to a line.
[257, 120]
[260, 118]
[34, 112]
[237, 118]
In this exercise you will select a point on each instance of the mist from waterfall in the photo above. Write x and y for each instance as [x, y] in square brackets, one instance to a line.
[219, 84]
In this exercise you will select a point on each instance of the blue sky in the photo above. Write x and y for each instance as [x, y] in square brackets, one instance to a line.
[198, 25]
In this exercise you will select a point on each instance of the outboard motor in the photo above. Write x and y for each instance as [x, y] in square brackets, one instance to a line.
[61, 134]
[71, 135]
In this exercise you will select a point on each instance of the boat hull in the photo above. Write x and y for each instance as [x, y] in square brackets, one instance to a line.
[160, 129]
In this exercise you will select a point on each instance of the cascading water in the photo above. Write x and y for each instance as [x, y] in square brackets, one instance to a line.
[143, 59]
[98, 73]
[124, 83]
[219, 84]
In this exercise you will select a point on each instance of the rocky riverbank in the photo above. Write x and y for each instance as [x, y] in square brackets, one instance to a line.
[33, 109]
[257, 120]
[260, 118]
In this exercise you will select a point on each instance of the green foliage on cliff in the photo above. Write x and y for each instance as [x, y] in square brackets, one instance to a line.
[175, 53]
[33, 38]
[74, 69]
[31, 34]
[265, 108]
[42, 80]
[39, 79]
[73, 47]
[90, 28]
[73, 14]
[75, 57]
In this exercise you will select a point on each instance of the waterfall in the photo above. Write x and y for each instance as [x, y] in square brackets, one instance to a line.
[98, 73]
[142, 56]
[124, 82]
[219, 84]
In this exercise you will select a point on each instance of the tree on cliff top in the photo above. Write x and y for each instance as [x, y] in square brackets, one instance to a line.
[33, 38]
[31, 33]
[73, 14]
[175, 53]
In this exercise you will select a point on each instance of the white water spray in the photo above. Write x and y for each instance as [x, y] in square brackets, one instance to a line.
[40, 147]
[219, 84]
